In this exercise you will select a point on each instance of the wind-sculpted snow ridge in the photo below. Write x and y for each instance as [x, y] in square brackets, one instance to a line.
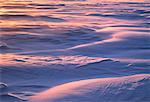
[121, 89]
[11, 98]
[3, 85]
[47, 60]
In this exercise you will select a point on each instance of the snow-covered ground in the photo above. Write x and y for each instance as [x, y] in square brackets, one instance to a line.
[74, 51]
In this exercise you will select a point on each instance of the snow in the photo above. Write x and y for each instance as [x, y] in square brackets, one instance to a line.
[74, 51]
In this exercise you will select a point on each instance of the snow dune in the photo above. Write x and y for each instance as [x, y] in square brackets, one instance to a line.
[133, 88]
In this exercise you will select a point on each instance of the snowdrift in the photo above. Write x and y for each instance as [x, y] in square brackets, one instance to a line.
[133, 88]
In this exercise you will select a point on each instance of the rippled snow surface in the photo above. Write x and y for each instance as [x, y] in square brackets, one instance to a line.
[45, 43]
